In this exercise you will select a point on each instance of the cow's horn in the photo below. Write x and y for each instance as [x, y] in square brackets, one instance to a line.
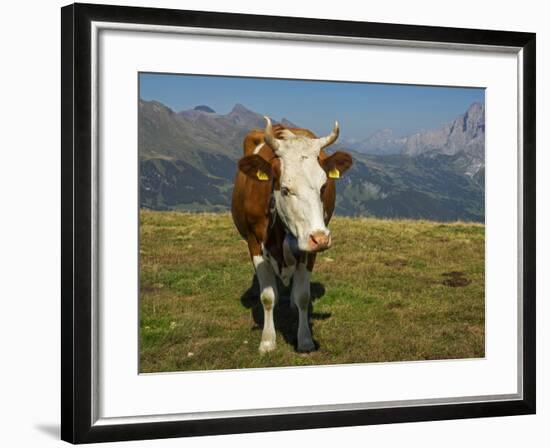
[269, 137]
[330, 139]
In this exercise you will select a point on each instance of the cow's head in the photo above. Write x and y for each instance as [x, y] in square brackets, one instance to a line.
[300, 176]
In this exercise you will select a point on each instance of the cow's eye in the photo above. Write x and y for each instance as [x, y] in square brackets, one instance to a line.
[285, 191]
[323, 189]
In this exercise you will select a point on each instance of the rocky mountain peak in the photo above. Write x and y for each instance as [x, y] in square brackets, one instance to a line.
[244, 117]
[474, 119]
[155, 106]
[465, 133]
[382, 141]
[204, 108]
[463, 137]
[239, 109]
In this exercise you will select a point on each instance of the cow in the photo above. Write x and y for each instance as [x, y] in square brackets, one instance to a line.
[282, 202]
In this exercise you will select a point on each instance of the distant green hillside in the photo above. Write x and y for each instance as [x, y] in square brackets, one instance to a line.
[188, 162]
[423, 187]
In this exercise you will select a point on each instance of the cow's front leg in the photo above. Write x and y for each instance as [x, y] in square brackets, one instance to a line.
[268, 297]
[300, 295]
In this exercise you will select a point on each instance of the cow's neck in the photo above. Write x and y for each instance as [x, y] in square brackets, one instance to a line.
[280, 249]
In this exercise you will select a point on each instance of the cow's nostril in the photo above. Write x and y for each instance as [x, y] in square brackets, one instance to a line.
[319, 241]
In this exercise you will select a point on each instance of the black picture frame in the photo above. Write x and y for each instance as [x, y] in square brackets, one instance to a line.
[76, 219]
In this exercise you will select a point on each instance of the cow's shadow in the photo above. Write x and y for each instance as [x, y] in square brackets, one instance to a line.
[285, 316]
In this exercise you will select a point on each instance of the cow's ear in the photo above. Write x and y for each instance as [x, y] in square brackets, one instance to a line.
[256, 167]
[337, 164]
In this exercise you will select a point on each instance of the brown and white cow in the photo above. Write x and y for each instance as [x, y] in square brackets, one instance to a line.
[282, 202]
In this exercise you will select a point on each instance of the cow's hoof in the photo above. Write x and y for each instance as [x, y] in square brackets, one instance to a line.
[267, 346]
[306, 347]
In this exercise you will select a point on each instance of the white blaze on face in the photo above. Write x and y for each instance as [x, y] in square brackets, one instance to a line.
[299, 199]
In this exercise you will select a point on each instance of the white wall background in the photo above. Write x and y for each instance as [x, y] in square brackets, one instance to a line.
[29, 224]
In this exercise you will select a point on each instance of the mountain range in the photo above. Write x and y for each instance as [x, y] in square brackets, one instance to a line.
[188, 162]
[466, 133]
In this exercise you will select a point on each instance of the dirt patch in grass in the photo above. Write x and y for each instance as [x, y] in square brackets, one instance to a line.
[395, 305]
[397, 262]
[455, 279]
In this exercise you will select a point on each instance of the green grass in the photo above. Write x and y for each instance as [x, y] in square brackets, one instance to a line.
[388, 290]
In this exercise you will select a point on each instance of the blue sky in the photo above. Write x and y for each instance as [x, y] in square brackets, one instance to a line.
[361, 108]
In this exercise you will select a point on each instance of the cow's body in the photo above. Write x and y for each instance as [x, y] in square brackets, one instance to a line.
[273, 248]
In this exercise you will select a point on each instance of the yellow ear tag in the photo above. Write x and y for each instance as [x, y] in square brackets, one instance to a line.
[261, 175]
[334, 173]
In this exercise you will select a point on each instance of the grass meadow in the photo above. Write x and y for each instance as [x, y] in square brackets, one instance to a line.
[387, 290]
